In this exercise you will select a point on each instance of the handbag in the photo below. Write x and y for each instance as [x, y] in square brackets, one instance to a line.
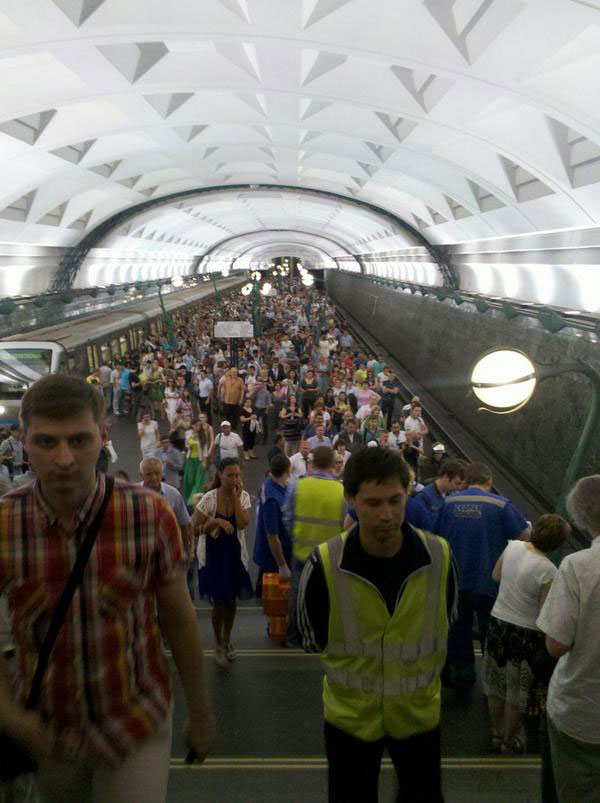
[15, 759]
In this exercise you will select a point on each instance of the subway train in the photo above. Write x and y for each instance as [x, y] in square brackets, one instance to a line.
[82, 345]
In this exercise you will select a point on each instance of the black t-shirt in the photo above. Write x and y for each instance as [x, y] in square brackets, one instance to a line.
[272, 452]
[411, 455]
[390, 384]
[388, 575]
[134, 380]
[309, 389]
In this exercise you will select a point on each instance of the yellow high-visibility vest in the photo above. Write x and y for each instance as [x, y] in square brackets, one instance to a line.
[382, 672]
[318, 513]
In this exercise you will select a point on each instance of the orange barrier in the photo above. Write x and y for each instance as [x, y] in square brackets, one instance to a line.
[275, 601]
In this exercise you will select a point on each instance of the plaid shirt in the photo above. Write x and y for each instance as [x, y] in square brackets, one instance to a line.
[107, 687]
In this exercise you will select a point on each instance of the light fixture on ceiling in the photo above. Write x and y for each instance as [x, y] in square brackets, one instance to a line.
[177, 281]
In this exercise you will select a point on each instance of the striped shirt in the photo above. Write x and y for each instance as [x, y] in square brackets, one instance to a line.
[107, 687]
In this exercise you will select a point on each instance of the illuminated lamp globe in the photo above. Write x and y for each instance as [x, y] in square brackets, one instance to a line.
[256, 276]
[504, 380]
[246, 289]
[265, 289]
[176, 281]
[308, 280]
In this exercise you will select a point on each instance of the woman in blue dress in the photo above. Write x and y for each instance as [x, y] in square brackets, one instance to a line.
[221, 515]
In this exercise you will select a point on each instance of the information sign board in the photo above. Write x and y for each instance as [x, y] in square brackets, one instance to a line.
[226, 329]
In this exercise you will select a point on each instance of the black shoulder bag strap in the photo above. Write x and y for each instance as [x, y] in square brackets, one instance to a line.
[75, 578]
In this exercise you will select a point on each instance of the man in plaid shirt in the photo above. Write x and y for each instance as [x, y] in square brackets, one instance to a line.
[103, 731]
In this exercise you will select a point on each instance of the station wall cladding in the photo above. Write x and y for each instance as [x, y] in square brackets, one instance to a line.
[439, 343]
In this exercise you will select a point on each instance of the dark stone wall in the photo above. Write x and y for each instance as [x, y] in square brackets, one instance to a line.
[438, 343]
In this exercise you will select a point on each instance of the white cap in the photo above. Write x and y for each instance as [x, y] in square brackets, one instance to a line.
[372, 444]
[438, 447]
[225, 424]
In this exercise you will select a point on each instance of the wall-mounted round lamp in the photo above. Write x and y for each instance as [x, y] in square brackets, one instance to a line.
[265, 289]
[176, 281]
[504, 380]
[307, 280]
[246, 289]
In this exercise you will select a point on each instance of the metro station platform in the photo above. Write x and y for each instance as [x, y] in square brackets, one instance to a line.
[268, 704]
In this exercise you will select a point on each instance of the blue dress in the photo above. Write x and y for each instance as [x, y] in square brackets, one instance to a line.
[223, 578]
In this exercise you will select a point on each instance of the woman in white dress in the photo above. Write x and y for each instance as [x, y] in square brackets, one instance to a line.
[148, 435]
[170, 402]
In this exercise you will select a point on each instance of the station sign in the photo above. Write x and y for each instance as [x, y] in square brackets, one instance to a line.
[227, 329]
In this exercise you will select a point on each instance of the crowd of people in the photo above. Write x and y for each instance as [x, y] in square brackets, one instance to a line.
[427, 546]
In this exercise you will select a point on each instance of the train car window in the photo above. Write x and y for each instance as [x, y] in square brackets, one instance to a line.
[114, 344]
[97, 361]
[123, 345]
[90, 359]
[132, 334]
[106, 355]
[70, 364]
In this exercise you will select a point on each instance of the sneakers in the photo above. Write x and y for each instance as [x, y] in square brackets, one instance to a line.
[230, 652]
[220, 656]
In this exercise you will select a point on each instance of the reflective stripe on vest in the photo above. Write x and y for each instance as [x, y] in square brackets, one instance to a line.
[318, 513]
[382, 671]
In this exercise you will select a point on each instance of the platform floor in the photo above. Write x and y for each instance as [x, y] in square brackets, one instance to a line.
[268, 704]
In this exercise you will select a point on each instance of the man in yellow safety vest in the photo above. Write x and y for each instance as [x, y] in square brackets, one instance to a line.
[313, 513]
[376, 602]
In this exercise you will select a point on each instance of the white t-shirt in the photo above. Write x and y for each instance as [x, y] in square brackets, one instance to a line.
[204, 387]
[298, 466]
[363, 412]
[396, 441]
[523, 574]
[228, 444]
[570, 616]
[414, 425]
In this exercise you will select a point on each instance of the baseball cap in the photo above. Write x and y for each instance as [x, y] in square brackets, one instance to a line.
[225, 423]
[438, 447]
[372, 444]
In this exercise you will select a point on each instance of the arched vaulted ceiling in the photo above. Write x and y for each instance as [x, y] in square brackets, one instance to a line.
[469, 119]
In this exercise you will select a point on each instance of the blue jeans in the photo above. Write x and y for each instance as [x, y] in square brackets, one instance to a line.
[117, 400]
[461, 657]
[263, 416]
